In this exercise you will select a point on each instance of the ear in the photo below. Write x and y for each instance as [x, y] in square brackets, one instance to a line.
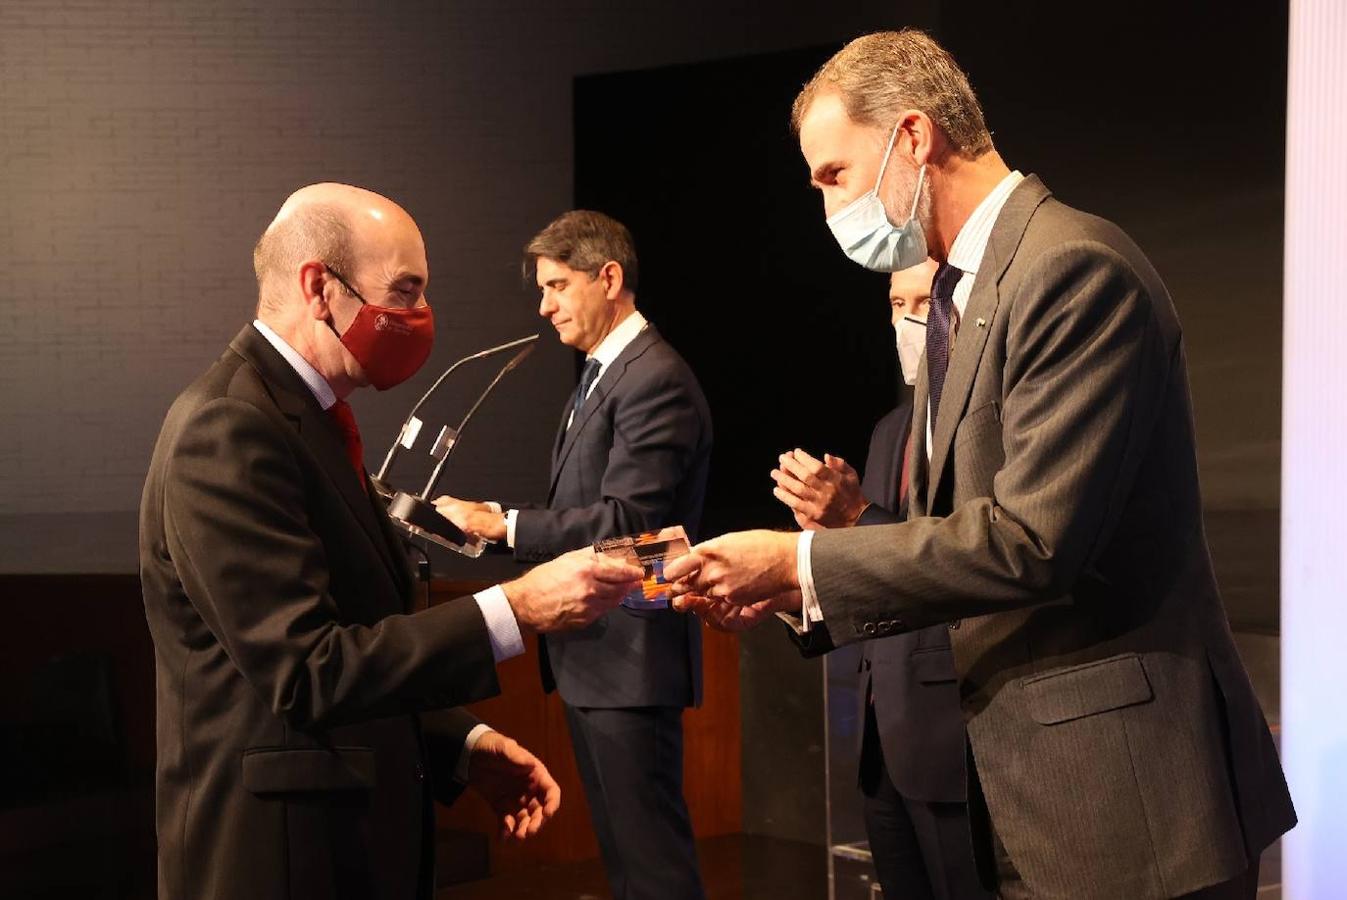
[313, 282]
[612, 278]
[916, 137]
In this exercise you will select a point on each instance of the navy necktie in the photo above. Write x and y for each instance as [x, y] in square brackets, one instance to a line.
[937, 332]
[587, 376]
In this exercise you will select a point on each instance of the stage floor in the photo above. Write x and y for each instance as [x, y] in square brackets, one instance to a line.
[738, 867]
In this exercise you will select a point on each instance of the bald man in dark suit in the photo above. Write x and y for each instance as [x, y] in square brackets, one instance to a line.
[305, 714]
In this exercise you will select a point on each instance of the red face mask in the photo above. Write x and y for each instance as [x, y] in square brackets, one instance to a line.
[390, 344]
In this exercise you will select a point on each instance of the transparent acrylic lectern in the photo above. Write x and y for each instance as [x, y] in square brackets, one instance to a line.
[851, 872]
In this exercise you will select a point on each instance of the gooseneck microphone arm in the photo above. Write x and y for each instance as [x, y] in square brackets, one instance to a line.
[449, 450]
[526, 342]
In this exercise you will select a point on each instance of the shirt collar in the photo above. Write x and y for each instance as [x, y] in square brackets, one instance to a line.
[322, 391]
[617, 340]
[971, 241]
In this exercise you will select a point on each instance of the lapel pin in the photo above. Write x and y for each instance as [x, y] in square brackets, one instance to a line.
[982, 323]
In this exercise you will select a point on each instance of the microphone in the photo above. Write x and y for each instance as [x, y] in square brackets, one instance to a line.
[413, 513]
[411, 426]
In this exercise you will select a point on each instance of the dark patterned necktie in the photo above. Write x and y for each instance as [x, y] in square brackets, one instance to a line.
[937, 332]
[342, 414]
[587, 376]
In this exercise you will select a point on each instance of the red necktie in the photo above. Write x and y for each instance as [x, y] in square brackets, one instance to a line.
[903, 469]
[350, 434]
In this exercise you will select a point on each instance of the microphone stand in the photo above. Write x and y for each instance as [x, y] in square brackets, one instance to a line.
[414, 513]
[405, 440]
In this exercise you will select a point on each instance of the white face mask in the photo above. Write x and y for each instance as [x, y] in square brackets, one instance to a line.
[866, 235]
[911, 345]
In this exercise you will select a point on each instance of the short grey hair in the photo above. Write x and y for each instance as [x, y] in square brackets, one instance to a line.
[312, 231]
[881, 74]
[585, 241]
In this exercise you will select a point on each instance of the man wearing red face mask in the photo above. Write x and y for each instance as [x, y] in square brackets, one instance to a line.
[304, 713]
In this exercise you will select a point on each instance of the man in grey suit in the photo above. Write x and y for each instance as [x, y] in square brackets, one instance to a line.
[1116, 747]
[632, 453]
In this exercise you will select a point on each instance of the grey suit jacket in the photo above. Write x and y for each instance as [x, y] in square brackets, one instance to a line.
[636, 459]
[300, 708]
[1118, 741]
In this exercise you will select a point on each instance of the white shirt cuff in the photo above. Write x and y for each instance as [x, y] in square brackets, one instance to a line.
[465, 758]
[510, 516]
[810, 612]
[501, 626]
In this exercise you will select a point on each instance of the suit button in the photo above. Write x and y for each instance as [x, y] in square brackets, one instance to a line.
[420, 772]
[869, 628]
[954, 626]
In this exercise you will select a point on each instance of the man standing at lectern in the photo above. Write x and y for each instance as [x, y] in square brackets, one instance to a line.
[631, 454]
[301, 708]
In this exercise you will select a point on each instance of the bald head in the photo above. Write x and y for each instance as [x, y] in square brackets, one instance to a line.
[328, 223]
[332, 250]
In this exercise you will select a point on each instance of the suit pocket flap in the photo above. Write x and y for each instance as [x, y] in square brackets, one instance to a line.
[286, 769]
[933, 665]
[1072, 693]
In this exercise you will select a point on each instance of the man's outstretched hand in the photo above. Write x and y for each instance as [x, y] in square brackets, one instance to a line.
[740, 568]
[571, 591]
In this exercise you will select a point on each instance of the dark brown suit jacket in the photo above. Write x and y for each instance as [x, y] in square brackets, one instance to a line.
[301, 711]
[1117, 738]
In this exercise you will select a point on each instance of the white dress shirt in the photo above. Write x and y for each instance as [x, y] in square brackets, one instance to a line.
[966, 253]
[501, 625]
[609, 349]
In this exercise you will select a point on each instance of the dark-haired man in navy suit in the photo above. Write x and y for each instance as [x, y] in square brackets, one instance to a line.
[632, 453]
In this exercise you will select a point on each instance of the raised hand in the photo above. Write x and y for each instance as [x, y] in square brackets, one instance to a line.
[820, 494]
[515, 783]
[571, 591]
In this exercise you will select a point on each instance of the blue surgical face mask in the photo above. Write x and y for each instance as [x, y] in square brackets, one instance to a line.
[866, 235]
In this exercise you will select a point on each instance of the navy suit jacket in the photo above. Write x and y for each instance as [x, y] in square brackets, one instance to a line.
[635, 459]
[912, 680]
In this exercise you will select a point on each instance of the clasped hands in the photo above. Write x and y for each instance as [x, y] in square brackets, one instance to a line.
[741, 579]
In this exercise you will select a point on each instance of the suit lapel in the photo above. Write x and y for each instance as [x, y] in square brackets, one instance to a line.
[561, 437]
[889, 450]
[297, 403]
[963, 365]
[976, 322]
[610, 377]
